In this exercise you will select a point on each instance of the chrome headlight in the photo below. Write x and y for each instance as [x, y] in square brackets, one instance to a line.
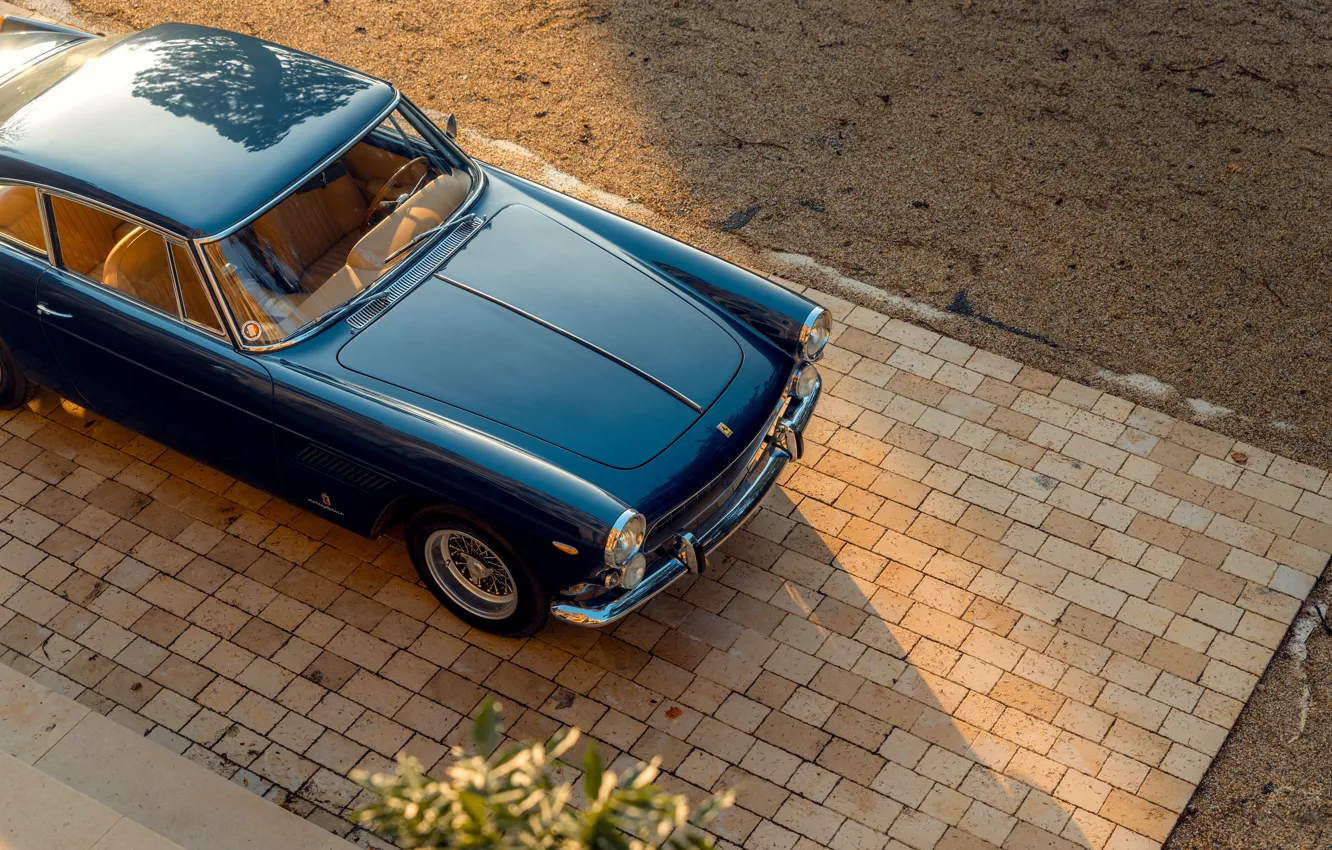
[633, 572]
[805, 381]
[626, 538]
[814, 334]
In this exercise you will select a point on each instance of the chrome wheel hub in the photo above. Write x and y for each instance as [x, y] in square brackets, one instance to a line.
[471, 573]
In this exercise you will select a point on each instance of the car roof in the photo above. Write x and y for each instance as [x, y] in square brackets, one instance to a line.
[189, 128]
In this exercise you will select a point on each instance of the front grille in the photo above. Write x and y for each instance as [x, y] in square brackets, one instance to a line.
[688, 513]
[342, 469]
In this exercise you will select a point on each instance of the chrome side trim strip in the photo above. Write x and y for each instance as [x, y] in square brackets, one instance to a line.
[570, 335]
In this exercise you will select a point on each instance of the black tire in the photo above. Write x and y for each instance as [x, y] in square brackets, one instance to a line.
[441, 542]
[15, 388]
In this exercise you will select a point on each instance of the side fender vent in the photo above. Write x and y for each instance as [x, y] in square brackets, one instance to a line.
[362, 318]
[344, 470]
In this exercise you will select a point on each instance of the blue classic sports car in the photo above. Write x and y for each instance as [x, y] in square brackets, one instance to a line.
[281, 267]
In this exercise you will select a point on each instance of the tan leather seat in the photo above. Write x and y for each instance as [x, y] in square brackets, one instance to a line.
[19, 216]
[372, 167]
[86, 235]
[138, 267]
[311, 225]
[434, 203]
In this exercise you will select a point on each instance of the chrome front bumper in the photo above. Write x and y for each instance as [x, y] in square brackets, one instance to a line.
[684, 552]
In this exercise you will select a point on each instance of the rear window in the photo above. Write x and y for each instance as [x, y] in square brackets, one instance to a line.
[18, 50]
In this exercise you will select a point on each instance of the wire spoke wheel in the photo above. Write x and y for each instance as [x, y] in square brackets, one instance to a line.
[471, 573]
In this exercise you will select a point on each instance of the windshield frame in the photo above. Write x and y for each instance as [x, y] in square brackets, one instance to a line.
[432, 134]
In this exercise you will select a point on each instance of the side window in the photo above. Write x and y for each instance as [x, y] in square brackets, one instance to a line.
[21, 218]
[193, 296]
[115, 253]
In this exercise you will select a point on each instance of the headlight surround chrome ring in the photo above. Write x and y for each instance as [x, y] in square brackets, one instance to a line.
[814, 334]
[805, 380]
[625, 538]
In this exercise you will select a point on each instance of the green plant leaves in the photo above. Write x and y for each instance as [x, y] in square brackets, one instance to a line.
[592, 771]
[488, 727]
[509, 800]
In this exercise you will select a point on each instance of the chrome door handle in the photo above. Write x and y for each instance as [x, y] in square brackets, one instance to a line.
[43, 310]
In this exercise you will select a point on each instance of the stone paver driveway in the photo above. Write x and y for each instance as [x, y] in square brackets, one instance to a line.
[990, 608]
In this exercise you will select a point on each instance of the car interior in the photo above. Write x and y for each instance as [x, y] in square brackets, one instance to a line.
[326, 242]
[19, 216]
[109, 250]
[319, 247]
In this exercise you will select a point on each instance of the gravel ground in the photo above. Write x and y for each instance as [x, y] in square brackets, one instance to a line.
[1140, 187]
[1271, 786]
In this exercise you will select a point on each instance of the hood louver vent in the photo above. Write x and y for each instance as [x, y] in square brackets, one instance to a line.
[364, 316]
[419, 271]
[342, 469]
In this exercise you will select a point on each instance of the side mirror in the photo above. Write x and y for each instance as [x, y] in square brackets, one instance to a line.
[451, 126]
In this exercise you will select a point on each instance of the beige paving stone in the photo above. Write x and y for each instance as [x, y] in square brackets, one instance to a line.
[978, 564]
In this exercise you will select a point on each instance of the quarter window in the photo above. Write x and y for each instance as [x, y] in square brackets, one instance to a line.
[193, 297]
[21, 217]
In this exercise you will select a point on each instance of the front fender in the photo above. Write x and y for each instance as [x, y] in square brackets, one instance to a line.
[354, 455]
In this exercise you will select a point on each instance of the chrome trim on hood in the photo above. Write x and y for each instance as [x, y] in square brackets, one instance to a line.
[570, 335]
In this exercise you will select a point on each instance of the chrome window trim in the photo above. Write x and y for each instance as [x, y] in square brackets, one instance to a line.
[41, 215]
[24, 247]
[48, 230]
[220, 330]
[175, 281]
[307, 175]
[53, 243]
[144, 305]
[479, 182]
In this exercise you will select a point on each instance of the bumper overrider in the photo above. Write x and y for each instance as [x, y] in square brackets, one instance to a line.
[684, 552]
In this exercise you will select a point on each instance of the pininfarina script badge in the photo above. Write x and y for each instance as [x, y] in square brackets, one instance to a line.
[326, 503]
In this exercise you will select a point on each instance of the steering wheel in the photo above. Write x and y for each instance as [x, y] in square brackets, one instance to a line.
[393, 183]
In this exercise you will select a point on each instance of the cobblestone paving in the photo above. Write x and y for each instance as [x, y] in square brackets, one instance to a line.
[990, 608]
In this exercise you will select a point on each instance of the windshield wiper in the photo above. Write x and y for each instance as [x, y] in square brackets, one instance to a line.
[415, 240]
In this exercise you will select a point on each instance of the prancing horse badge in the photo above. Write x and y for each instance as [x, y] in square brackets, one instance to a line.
[724, 428]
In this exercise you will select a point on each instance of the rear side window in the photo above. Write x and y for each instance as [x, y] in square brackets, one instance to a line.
[21, 217]
[131, 259]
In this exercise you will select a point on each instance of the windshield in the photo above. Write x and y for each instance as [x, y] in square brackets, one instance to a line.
[335, 236]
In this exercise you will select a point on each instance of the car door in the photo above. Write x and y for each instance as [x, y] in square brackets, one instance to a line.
[134, 330]
[23, 259]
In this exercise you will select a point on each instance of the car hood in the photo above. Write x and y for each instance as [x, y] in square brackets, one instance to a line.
[535, 327]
